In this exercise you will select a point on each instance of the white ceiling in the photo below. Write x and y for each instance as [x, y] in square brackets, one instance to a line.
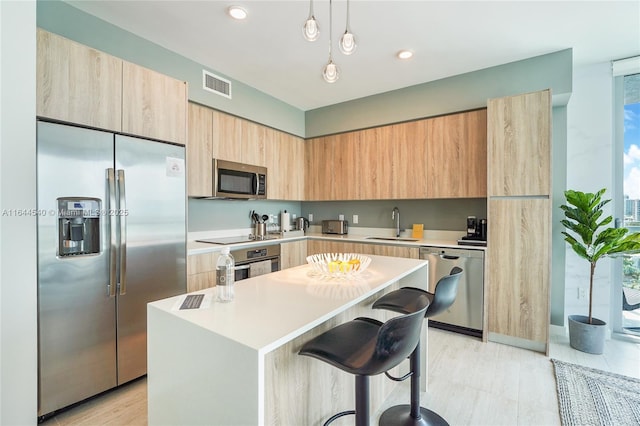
[267, 51]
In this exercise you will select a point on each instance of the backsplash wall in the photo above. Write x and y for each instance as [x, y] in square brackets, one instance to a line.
[444, 215]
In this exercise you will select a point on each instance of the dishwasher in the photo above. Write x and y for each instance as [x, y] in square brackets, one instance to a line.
[466, 314]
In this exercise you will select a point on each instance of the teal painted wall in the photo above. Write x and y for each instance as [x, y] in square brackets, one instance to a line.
[459, 93]
[67, 21]
[446, 215]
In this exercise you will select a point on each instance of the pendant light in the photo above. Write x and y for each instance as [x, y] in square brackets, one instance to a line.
[347, 43]
[331, 72]
[310, 29]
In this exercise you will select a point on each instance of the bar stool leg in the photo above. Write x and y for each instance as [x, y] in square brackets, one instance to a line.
[362, 401]
[414, 414]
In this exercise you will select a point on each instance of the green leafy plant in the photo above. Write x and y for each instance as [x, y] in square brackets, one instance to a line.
[583, 213]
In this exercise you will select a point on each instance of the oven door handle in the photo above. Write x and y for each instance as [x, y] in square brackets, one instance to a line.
[237, 268]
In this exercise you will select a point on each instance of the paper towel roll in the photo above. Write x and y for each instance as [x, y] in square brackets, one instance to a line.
[285, 221]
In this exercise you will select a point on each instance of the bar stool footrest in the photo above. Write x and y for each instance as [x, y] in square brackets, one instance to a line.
[400, 415]
[338, 415]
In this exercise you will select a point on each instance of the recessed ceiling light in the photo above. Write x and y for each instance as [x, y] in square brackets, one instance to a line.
[236, 12]
[404, 54]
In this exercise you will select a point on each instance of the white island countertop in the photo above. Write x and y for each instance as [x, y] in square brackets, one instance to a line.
[272, 309]
[237, 363]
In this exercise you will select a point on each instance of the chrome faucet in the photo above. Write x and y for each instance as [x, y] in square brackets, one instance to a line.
[395, 214]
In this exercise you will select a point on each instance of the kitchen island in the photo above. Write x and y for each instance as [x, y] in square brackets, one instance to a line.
[237, 363]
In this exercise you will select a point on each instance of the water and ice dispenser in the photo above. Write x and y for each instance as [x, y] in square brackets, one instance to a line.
[78, 226]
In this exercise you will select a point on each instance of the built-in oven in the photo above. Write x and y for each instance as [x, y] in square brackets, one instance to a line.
[254, 261]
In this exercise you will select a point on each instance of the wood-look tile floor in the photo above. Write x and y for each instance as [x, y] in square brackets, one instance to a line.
[470, 383]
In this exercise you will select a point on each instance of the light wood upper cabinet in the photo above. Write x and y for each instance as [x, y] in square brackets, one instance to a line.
[199, 149]
[155, 105]
[407, 144]
[77, 84]
[81, 85]
[284, 156]
[443, 157]
[519, 145]
[319, 168]
[457, 155]
[227, 134]
[214, 134]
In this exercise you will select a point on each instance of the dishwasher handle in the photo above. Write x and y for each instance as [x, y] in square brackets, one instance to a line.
[449, 257]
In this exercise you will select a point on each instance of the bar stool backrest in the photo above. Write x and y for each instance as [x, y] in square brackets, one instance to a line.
[397, 338]
[445, 293]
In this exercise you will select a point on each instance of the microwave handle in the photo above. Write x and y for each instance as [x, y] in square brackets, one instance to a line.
[256, 181]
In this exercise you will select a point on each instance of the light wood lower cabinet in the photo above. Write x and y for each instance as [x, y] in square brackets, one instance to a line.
[293, 253]
[201, 271]
[327, 246]
[519, 268]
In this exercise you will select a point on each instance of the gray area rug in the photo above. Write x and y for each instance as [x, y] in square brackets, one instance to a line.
[587, 396]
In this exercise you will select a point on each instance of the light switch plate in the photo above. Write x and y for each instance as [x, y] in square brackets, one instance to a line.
[355, 218]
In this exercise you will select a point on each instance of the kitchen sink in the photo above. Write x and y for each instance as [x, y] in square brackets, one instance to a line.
[391, 239]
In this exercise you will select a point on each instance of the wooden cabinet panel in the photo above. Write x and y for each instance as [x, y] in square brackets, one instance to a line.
[253, 143]
[407, 145]
[319, 167]
[77, 84]
[201, 271]
[293, 253]
[518, 265]
[457, 155]
[155, 105]
[227, 134]
[327, 246]
[519, 145]
[285, 165]
[199, 149]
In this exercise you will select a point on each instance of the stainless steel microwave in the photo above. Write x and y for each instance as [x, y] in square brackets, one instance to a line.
[237, 180]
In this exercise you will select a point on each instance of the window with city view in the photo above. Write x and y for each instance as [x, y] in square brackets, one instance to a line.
[631, 265]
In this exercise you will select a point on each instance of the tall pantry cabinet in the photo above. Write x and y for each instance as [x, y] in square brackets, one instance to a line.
[519, 211]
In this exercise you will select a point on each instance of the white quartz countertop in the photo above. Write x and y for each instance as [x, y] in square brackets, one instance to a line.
[447, 239]
[270, 310]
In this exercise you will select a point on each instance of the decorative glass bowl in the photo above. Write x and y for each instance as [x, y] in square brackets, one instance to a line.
[338, 265]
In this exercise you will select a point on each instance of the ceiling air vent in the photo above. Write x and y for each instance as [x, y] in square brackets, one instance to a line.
[216, 84]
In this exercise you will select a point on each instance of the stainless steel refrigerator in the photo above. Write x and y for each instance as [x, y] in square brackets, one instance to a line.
[111, 238]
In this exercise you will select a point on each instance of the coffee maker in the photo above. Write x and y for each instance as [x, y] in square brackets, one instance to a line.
[476, 231]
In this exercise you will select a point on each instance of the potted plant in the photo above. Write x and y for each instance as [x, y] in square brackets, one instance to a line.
[583, 213]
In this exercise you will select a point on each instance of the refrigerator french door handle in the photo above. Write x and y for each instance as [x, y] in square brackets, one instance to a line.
[122, 218]
[113, 282]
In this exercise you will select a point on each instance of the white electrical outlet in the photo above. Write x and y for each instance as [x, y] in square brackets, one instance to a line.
[582, 293]
[341, 217]
[355, 218]
[310, 217]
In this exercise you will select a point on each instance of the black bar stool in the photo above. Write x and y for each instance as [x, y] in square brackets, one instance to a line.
[401, 300]
[366, 347]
